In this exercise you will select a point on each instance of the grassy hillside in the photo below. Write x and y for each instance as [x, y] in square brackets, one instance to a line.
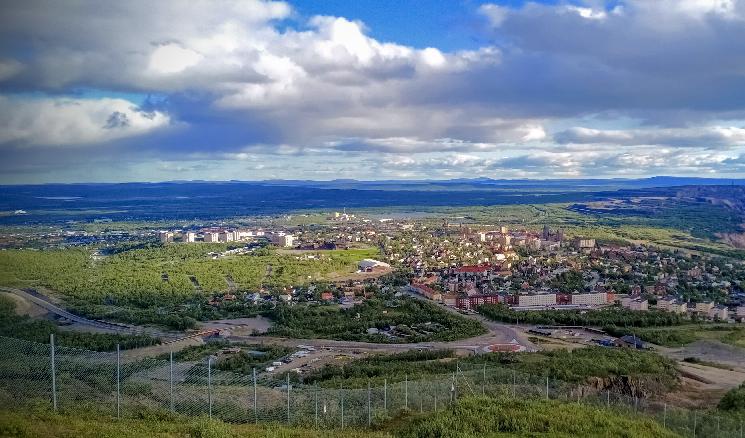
[625, 370]
[48, 426]
[485, 417]
[472, 417]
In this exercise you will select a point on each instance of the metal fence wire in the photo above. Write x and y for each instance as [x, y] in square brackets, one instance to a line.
[68, 379]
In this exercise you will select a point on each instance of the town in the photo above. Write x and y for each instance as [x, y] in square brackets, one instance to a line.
[465, 266]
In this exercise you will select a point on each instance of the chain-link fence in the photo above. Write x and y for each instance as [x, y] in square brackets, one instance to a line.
[67, 379]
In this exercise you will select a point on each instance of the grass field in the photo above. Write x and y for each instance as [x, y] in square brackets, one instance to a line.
[469, 418]
[679, 336]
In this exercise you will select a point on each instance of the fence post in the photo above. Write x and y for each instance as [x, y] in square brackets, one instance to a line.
[483, 382]
[664, 416]
[694, 424]
[256, 406]
[453, 396]
[341, 392]
[421, 398]
[54, 373]
[607, 398]
[406, 391]
[209, 385]
[316, 397]
[514, 383]
[118, 384]
[170, 382]
[546, 387]
[288, 397]
[369, 412]
[385, 396]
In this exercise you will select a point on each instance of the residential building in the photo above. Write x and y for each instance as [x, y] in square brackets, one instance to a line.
[426, 291]
[165, 236]
[704, 307]
[282, 239]
[473, 301]
[719, 312]
[581, 244]
[370, 265]
[211, 237]
[536, 300]
[591, 299]
[226, 236]
[740, 313]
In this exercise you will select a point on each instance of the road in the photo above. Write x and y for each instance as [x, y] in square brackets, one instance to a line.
[497, 333]
[504, 333]
[52, 308]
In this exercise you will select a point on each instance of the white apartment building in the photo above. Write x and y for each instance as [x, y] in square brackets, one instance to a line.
[226, 236]
[593, 299]
[189, 236]
[282, 239]
[719, 312]
[211, 237]
[536, 300]
[665, 302]
[637, 304]
[677, 307]
[740, 312]
[165, 236]
[704, 307]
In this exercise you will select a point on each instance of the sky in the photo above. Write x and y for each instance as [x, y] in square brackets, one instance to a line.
[96, 91]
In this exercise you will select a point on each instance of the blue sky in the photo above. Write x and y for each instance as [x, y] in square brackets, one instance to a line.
[370, 89]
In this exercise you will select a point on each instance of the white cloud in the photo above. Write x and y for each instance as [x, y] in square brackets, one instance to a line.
[494, 13]
[171, 58]
[324, 87]
[73, 122]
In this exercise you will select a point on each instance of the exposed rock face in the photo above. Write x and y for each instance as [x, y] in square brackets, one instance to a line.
[734, 239]
[641, 387]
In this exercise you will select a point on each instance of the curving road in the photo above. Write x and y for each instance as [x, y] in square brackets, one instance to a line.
[497, 333]
[53, 308]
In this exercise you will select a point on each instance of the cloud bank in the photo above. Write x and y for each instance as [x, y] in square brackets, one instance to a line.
[228, 89]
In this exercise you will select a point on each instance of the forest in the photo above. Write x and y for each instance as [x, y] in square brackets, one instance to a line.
[413, 320]
[250, 355]
[165, 284]
[597, 318]
[38, 330]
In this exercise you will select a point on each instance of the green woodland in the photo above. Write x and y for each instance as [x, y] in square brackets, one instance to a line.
[166, 284]
[38, 330]
[599, 318]
[156, 274]
[251, 355]
[414, 321]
